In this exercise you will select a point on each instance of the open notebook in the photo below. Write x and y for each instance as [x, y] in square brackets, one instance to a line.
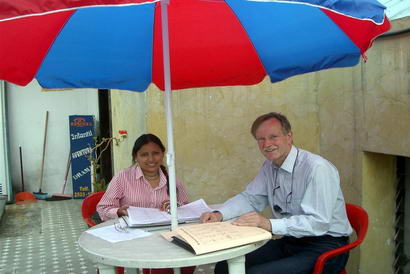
[141, 217]
[210, 237]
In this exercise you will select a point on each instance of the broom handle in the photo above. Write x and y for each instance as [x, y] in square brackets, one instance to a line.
[44, 151]
[66, 171]
[21, 169]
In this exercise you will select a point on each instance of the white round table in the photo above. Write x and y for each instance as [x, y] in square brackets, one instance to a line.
[155, 252]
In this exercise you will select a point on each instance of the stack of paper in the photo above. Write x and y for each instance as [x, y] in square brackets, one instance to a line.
[140, 216]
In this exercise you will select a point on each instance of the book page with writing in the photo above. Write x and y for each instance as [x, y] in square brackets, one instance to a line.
[210, 237]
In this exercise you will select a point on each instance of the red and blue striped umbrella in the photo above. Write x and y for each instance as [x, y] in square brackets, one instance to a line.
[117, 44]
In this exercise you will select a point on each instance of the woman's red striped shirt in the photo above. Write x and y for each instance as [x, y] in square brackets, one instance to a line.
[129, 187]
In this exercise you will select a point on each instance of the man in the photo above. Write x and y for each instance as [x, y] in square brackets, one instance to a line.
[303, 191]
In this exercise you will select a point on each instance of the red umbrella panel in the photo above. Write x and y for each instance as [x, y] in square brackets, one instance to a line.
[212, 43]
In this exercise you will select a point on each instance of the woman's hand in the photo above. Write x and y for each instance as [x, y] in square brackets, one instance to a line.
[165, 206]
[253, 219]
[122, 211]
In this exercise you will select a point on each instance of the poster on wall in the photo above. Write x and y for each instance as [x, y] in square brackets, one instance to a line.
[81, 144]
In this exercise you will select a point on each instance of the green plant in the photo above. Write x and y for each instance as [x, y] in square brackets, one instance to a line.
[100, 185]
[95, 157]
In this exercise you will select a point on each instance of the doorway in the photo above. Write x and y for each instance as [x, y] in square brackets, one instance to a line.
[402, 224]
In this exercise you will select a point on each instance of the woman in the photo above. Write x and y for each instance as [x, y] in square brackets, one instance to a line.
[144, 184]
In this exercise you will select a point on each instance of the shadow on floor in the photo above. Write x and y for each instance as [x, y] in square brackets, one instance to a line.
[21, 220]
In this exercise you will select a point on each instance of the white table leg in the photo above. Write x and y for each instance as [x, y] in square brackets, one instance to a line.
[237, 265]
[177, 270]
[133, 270]
[106, 269]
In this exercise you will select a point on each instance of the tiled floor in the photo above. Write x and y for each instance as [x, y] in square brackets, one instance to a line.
[42, 238]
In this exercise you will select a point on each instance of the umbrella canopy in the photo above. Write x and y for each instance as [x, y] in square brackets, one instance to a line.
[212, 43]
[128, 44]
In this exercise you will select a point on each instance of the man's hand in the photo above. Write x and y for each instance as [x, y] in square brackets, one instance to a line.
[253, 219]
[211, 217]
[122, 211]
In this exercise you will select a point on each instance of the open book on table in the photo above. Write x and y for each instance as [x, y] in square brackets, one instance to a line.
[142, 217]
[209, 237]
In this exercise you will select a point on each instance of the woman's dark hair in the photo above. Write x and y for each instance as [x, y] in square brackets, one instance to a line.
[286, 127]
[145, 139]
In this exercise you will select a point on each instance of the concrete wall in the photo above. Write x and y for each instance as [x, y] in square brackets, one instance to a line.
[338, 113]
[383, 107]
[382, 118]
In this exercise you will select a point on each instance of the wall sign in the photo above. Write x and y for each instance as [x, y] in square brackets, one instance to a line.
[81, 143]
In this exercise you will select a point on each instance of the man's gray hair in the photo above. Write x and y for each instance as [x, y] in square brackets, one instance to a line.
[286, 127]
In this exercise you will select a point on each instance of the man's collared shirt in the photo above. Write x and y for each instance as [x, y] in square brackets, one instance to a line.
[304, 194]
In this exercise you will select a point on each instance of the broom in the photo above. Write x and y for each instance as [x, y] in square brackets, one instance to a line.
[24, 197]
[62, 196]
[41, 195]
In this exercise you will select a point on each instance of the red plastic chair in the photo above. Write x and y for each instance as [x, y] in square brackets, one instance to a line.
[359, 220]
[89, 207]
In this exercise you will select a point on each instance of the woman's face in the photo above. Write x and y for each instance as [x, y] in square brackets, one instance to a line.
[149, 158]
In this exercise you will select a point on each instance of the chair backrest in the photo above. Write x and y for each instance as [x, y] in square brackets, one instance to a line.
[89, 206]
[359, 220]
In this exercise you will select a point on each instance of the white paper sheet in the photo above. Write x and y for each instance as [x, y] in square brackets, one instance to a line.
[110, 234]
[192, 210]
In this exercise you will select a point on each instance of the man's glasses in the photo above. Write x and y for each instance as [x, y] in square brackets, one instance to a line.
[279, 210]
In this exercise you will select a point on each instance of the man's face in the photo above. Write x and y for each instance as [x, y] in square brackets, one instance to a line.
[272, 142]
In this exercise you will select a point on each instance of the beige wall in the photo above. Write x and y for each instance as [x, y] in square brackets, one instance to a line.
[338, 113]
[379, 190]
[127, 113]
[215, 153]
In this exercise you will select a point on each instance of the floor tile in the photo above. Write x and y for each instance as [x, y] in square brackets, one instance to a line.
[41, 238]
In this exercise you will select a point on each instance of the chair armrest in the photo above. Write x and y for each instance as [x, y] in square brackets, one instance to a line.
[323, 258]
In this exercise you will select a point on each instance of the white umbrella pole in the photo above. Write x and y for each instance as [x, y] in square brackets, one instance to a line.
[168, 114]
